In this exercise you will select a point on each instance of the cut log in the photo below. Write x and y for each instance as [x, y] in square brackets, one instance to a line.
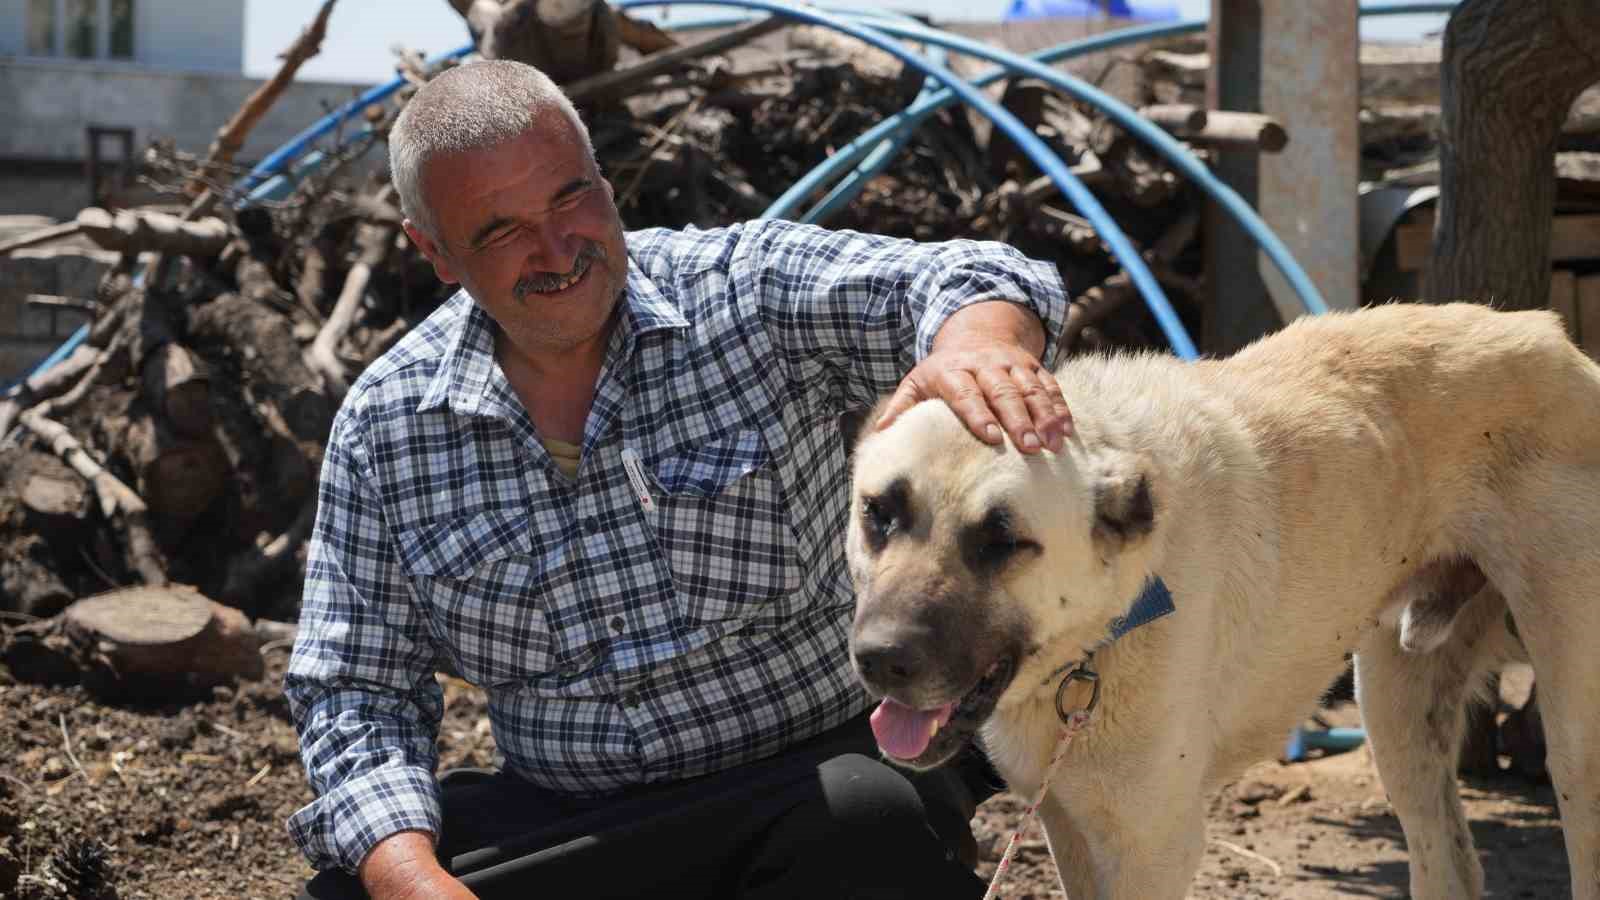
[138, 231]
[1240, 131]
[118, 502]
[178, 384]
[178, 477]
[263, 344]
[167, 632]
[42, 236]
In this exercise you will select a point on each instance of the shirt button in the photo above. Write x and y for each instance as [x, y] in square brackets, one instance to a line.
[708, 485]
[631, 699]
[591, 525]
[616, 624]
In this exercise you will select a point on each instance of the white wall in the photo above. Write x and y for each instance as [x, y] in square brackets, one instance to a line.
[190, 34]
[48, 103]
[205, 35]
[13, 21]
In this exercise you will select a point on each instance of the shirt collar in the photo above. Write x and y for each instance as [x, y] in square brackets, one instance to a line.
[470, 382]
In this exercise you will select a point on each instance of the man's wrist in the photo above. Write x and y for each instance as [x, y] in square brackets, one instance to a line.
[400, 865]
[985, 323]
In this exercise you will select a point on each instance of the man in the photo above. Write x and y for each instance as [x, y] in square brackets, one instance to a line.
[603, 483]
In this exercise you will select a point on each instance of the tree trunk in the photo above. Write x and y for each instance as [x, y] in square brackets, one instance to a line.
[1510, 72]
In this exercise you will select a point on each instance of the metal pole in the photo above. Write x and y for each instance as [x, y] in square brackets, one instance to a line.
[1298, 63]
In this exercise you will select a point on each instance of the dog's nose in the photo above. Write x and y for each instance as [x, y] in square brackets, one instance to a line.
[889, 661]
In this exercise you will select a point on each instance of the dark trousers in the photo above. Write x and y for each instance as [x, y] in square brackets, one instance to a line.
[825, 818]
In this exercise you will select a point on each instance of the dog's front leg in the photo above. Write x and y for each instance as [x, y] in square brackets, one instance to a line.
[1145, 845]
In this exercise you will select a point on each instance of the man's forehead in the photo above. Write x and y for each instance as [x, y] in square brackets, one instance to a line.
[519, 176]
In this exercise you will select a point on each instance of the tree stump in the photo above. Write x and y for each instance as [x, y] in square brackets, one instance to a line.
[143, 640]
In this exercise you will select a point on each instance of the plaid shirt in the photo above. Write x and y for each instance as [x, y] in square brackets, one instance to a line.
[620, 641]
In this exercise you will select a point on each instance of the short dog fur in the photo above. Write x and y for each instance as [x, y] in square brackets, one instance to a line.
[1389, 482]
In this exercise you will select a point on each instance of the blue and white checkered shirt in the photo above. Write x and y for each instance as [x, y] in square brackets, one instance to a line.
[620, 642]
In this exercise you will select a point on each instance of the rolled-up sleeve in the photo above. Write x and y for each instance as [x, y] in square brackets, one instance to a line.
[869, 306]
[360, 683]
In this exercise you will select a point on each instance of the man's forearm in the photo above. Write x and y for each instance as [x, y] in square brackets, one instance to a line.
[988, 322]
[402, 866]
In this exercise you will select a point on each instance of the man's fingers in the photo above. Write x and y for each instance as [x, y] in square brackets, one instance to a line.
[966, 397]
[1053, 388]
[1045, 406]
[907, 395]
[1004, 395]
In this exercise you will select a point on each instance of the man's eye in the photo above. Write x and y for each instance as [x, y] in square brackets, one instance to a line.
[502, 237]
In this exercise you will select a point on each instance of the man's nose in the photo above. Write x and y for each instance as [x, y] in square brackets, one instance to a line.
[554, 248]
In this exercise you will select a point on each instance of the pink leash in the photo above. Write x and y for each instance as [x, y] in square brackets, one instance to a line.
[1071, 724]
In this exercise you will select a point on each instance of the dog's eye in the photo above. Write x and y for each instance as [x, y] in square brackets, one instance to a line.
[878, 520]
[996, 552]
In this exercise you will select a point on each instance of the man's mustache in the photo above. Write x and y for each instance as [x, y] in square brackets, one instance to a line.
[545, 282]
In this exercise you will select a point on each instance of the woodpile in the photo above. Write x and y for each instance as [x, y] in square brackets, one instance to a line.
[176, 451]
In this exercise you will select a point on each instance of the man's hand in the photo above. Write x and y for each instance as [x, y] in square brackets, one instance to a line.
[985, 365]
[402, 867]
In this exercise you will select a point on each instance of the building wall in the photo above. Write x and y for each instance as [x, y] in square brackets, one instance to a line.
[173, 34]
[53, 102]
[13, 22]
[191, 35]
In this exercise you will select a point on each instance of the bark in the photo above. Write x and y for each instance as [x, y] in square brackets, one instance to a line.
[178, 385]
[178, 477]
[118, 502]
[137, 231]
[373, 243]
[262, 343]
[143, 633]
[1511, 71]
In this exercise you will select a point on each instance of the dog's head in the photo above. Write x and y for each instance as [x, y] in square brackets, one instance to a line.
[969, 561]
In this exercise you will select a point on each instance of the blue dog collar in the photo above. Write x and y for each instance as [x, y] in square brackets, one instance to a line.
[1152, 603]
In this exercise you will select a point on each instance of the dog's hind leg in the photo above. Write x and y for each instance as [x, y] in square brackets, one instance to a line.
[1558, 620]
[1414, 707]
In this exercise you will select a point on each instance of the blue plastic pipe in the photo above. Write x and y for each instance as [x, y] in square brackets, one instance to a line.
[1042, 156]
[290, 151]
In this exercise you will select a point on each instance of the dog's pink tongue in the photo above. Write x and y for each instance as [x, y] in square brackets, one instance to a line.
[903, 732]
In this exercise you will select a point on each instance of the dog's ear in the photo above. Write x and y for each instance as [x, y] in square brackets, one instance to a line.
[856, 423]
[1124, 509]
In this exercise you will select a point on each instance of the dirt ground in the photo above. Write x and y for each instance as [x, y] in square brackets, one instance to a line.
[188, 801]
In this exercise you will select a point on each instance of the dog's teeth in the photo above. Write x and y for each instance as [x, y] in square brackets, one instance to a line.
[933, 727]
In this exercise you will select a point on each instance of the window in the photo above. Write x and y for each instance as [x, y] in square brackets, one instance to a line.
[83, 21]
[42, 27]
[85, 29]
[122, 29]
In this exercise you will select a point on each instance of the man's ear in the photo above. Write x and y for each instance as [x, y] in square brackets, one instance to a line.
[431, 250]
[1124, 506]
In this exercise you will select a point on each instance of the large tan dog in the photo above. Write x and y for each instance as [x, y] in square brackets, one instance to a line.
[1348, 484]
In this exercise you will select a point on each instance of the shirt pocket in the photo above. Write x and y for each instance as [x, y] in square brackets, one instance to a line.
[725, 529]
[479, 582]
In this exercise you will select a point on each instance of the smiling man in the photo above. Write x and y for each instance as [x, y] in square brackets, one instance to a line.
[604, 483]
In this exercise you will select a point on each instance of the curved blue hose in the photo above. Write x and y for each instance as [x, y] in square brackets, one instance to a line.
[1030, 143]
[296, 145]
[897, 127]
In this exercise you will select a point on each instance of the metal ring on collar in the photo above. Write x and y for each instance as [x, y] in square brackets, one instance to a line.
[1081, 673]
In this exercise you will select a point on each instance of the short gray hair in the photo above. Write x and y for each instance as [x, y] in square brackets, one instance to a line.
[471, 107]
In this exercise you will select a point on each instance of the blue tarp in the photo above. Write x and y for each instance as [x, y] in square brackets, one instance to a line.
[1143, 10]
